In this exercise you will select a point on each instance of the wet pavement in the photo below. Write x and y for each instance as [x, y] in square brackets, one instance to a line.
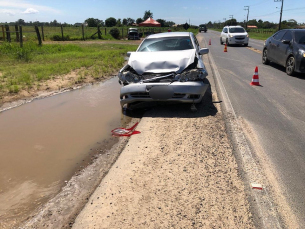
[43, 143]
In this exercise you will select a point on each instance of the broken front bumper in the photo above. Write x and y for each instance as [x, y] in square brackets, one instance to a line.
[184, 92]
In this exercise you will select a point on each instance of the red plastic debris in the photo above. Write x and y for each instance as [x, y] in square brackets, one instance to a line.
[257, 186]
[125, 132]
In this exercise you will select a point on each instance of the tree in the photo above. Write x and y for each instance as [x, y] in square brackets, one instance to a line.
[110, 22]
[125, 22]
[147, 14]
[20, 22]
[52, 23]
[162, 22]
[130, 21]
[119, 23]
[139, 20]
[93, 22]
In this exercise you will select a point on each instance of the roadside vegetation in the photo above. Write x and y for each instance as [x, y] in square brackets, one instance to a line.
[26, 68]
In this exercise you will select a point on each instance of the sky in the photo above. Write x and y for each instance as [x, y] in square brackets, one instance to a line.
[194, 12]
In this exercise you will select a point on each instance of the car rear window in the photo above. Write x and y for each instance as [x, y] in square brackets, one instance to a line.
[300, 37]
[166, 44]
[236, 30]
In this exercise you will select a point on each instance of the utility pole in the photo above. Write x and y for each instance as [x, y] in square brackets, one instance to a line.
[247, 8]
[231, 17]
[281, 12]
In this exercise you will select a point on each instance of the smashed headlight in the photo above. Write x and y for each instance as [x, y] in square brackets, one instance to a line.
[191, 75]
[127, 77]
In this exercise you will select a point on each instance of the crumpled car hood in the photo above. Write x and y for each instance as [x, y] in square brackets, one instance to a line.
[161, 62]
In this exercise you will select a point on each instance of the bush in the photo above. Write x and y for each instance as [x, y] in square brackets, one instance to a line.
[59, 38]
[115, 33]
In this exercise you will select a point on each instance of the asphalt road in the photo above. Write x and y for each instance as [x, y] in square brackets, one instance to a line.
[272, 115]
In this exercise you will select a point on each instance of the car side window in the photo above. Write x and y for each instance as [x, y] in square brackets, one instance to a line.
[224, 30]
[287, 36]
[196, 42]
[279, 35]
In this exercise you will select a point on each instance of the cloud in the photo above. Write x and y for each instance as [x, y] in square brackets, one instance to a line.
[22, 5]
[30, 11]
[8, 12]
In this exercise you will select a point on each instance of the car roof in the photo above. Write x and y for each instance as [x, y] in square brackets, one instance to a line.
[303, 30]
[169, 34]
[233, 26]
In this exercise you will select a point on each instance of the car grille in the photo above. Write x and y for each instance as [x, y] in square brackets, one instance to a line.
[240, 37]
[146, 95]
[150, 76]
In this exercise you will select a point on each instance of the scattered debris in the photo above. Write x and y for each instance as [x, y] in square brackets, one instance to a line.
[125, 132]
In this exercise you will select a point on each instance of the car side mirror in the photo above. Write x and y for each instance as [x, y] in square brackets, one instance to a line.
[128, 54]
[203, 51]
[287, 42]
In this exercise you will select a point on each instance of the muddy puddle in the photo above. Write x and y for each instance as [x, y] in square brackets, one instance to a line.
[43, 143]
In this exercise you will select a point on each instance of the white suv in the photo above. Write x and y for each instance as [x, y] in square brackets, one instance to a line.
[234, 35]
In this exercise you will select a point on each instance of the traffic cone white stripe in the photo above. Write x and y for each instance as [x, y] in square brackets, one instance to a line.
[255, 80]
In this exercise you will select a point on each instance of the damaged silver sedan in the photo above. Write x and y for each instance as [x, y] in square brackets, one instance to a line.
[166, 67]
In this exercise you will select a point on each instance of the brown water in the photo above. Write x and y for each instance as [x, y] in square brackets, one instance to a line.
[42, 144]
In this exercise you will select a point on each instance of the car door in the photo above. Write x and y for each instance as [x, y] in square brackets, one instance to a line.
[224, 34]
[284, 49]
[273, 44]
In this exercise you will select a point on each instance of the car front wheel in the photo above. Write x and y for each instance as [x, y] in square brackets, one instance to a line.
[221, 42]
[264, 57]
[290, 65]
[227, 42]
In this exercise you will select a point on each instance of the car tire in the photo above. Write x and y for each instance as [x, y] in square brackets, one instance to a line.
[227, 42]
[221, 42]
[290, 65]
[246, 45]
[265, 59]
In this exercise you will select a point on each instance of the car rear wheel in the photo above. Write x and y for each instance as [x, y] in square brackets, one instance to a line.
[290, 65]
[221, 42]
[264, 57]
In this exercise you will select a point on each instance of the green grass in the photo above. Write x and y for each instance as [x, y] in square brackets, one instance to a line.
[27, 67]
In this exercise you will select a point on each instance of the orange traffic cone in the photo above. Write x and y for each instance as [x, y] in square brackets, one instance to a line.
[210, 42]
[225, 50]
[255, 79]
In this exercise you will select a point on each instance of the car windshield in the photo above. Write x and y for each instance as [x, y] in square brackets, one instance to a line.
[236, 30]
[300, 37]
[166, 44]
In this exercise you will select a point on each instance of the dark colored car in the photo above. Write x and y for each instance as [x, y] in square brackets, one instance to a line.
[133, 34]
[202, 28]
[287, 48]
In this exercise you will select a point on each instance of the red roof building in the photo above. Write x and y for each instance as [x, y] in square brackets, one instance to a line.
[150, 23]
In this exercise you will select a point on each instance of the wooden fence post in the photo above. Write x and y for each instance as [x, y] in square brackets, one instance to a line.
[3, 33]
[17, 33]
[99, 32]
[62, 33]
[21, 37]
[38, 35]
[83, 31]
[8, 35]
[42, 33]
